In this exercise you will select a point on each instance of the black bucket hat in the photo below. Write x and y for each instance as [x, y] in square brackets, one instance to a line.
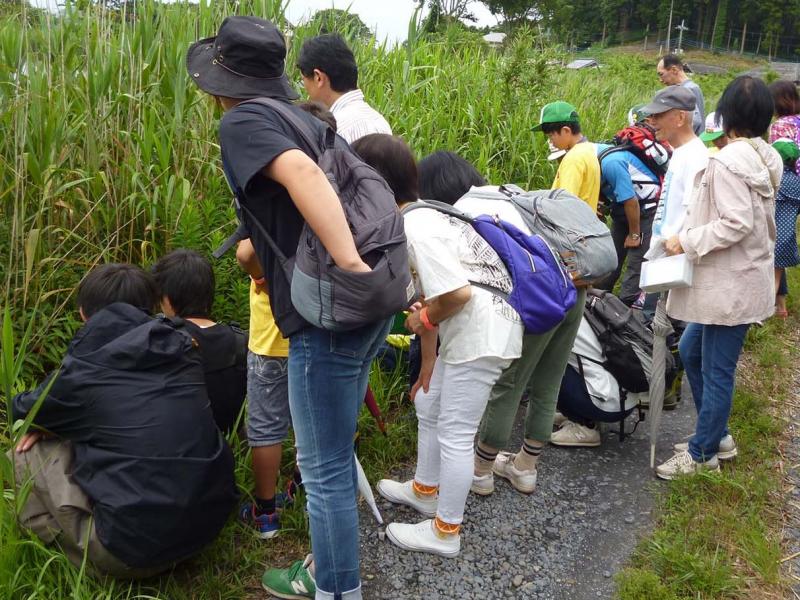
[246, 59]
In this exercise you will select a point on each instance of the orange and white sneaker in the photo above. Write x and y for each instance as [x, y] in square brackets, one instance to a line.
[403, 493]
[424, 537]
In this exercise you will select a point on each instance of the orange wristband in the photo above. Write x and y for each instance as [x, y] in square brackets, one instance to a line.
[426, 322]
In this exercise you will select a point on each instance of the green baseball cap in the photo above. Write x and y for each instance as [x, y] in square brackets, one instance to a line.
[787, 149]
[637, 115]
[557, 112]
[713, 130]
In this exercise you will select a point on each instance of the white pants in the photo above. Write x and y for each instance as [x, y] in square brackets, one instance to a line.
[449, 414]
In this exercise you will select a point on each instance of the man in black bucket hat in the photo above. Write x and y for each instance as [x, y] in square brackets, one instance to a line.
[280, 189]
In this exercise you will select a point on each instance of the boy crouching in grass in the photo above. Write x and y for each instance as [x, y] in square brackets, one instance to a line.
[126, 455]
[186, 280]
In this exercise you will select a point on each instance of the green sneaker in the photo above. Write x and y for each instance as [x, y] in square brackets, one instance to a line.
[293, 583]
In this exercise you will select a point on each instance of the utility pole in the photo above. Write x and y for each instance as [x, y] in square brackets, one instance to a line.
[681, 28]
[669, 25]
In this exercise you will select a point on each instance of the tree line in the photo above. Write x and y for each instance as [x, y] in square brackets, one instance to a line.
[769, 27]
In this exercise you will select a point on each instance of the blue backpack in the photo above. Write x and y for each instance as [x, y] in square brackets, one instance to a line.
[541, 290]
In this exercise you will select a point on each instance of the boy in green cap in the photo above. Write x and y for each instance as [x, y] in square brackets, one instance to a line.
[579, 171]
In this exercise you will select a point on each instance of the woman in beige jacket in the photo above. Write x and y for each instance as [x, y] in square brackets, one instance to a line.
[729, 236]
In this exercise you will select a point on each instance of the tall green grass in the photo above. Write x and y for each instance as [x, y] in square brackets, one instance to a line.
[109, 153]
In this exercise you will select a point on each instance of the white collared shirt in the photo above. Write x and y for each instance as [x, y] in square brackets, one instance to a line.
[355, 118]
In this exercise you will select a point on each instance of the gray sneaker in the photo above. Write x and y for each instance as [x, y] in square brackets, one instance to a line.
[683, 464]
[523, 481]
[727, 448]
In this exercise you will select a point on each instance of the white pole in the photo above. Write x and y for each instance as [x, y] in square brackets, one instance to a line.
[669, 25]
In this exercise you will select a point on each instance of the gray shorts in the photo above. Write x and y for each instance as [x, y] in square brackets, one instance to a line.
[268, 416]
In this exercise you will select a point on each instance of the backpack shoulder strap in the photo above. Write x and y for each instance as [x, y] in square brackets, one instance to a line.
[301, 127]
[440, 207]
[611, 150]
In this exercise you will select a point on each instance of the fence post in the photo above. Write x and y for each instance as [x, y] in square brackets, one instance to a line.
[744, 37]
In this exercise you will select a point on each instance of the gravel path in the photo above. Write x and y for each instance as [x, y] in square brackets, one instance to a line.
[564, 542]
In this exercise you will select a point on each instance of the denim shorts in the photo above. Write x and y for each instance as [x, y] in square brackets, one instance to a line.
[268, 416]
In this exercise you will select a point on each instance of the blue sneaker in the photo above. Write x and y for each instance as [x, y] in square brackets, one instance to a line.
[267, 525]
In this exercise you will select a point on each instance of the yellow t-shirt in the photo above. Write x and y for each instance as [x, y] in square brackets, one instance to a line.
[579, 173]
[265, 337]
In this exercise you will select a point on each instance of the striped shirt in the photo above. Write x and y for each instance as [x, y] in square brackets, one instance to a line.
[355, 118]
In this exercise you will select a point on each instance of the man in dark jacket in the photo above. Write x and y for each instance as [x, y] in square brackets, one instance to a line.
[131, 454]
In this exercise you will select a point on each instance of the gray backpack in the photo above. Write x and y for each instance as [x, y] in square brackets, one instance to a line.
[570, 226]
[325, 295]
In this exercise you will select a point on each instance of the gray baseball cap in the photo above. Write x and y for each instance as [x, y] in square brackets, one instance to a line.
[673, 96]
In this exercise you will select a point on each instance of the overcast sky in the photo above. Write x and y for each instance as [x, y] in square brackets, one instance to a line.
[388, 18]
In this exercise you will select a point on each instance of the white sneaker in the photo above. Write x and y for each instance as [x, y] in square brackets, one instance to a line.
[403, 493]
[683, 464]
[559, 419]
[483, 485]
[421, 537]
[727, 448]
[574, 434]
[523, 481]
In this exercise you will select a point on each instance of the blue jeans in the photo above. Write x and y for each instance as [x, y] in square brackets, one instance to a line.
[709, 354]
[328, 373]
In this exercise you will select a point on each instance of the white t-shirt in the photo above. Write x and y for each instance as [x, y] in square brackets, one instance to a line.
[445, 254]
[686, 162]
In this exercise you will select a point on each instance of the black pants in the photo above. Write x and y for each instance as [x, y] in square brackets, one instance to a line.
[629, 290]
[575, 404]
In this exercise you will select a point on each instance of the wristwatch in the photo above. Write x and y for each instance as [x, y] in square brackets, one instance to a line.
[635, 236]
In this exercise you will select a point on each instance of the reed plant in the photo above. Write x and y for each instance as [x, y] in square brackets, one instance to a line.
[109, 153]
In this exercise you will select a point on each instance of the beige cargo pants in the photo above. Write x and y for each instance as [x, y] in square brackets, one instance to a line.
[58, 511]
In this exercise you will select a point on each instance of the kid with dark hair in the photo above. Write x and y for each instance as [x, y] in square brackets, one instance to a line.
[117, 282]
[480, 335]
[787, 209]
[186, 280]
[442, 176]
[330, 77]
[579, 170]
[390, 156]
[130, 443]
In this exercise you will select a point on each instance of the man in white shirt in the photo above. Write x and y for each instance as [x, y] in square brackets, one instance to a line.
[330, 76]
[671, 71]
[671, 116]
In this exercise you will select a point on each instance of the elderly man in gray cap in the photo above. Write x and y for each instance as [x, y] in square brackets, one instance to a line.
[671, 116]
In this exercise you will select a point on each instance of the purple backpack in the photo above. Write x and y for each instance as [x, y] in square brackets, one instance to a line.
[541, 290]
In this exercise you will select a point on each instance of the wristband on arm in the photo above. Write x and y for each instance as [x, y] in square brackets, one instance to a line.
[258, 280]
[426, 322]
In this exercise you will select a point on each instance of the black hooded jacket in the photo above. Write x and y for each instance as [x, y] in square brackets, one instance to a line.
[130, 395]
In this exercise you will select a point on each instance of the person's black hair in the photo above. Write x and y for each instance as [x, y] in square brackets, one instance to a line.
[786, 98]
[746, 107]
[186, 279]
[390, 156]
[319, 111]
[574, 127]
[330, 54]
[117, 282]
[672, 60]
[446, 176]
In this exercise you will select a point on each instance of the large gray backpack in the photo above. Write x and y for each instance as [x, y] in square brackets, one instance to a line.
[570, 226]
[325, 295]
